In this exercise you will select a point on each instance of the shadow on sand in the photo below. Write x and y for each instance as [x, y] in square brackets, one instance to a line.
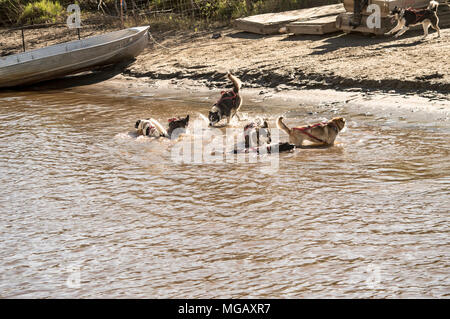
[336, 41]
[359, 40]
[250, 36]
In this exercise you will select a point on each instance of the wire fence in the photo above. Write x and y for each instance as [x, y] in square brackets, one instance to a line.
[101, 15]
[134, 10]
[204, 9]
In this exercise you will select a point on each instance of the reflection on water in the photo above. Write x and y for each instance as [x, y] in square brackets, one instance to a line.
[88, 211]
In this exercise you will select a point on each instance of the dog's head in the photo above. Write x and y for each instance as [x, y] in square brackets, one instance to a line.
[138, 122]
[397, 13]
[177, 123]
[140, 126]
[214, 115]
[339, 122]
[257, 133]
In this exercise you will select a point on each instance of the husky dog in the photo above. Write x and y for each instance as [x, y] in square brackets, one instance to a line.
[257, 133]
[151, 127]
[257, 136]
[323, 133]
[229, 103]
[407, 18]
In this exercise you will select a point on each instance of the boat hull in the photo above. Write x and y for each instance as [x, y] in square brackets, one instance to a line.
[33, 66]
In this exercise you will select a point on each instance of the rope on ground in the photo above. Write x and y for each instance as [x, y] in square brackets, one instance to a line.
[156, 42]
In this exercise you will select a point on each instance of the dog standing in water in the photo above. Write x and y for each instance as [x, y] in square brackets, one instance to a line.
[407, 18]
[229, 103]
[321, 133]
[152, 128]
[258, 139]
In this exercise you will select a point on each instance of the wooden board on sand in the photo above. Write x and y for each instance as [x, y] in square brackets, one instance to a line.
[343, 23]
[315, 26]
[271, 23]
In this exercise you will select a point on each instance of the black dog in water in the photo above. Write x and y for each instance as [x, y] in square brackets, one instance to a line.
[229, 103]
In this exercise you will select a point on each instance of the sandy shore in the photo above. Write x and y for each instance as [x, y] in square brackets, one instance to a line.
[337, 61]
[316, 69]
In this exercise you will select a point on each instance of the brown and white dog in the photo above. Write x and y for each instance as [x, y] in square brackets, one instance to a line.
[257, 133]
[321, 133]
[257, 138]
[229, 103]
[407, 18]
[152, 128]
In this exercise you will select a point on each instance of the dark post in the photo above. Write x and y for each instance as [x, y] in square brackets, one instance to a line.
[121, 12]
[78, 31]
[23, 40]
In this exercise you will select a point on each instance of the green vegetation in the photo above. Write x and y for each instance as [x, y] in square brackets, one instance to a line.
[42, 11]
[160, 14]
[29, 12]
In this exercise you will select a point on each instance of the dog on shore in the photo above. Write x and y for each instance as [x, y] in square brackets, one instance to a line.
[229, 103]
[152, 128]
[407, 18]
[321, 133]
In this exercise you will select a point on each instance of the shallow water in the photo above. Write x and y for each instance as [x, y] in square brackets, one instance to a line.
[89, 211]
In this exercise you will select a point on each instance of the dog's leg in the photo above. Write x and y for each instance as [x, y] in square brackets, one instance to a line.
[395, 29]
[426, 26]
[237, 110]
[403, 30]
[436, 27]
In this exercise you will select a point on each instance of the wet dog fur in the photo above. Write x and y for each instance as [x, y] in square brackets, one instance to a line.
[152, 128]
[257, 138]
[257, 133]
[326, 132]
[229, 103]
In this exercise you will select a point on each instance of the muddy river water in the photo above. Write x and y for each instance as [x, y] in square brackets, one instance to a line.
[88, 210]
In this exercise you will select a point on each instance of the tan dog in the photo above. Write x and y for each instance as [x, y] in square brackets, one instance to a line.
[321, 133]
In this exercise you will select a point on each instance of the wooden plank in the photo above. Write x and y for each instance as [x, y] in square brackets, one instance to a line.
[343, 23]
[315, 26]
[271, 23]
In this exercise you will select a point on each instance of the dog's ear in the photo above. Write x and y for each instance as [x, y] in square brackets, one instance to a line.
[137, 123]
[187, 118]
[147, 131]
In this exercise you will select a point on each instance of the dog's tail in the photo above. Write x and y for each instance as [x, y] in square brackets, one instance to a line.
[236, 82]
[283, 126]
[433, 6]
[159, 127]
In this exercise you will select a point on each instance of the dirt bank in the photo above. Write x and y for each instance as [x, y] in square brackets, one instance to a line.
[280, 62]
[338, 61]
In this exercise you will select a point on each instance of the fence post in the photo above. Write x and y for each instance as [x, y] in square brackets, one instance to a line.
[78, 31]
[121, 12]
[248, 4]
[23, 40]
